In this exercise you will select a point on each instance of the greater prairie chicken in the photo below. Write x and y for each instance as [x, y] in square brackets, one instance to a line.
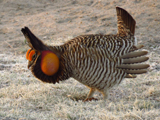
[97, 61]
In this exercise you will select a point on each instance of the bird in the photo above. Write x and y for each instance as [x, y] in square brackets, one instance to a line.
[99, 61]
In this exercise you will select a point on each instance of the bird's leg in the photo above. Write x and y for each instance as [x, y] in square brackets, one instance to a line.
[90, 95]
[105, 94]
[91, 92]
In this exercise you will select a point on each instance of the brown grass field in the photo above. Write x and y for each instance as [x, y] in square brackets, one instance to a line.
[23, 97]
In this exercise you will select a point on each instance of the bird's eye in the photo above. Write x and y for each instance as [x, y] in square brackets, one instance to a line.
[34, 56]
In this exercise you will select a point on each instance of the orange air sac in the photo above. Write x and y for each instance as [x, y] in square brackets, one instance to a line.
[49, 63]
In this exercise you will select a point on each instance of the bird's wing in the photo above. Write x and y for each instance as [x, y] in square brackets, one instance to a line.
[94, 66]
[86, 59]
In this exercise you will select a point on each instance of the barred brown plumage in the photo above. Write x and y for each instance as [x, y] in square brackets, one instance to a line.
[97, 61]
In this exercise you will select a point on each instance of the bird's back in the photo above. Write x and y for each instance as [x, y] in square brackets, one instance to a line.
[114, 44]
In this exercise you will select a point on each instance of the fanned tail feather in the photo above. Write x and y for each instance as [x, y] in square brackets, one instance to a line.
[126, 23]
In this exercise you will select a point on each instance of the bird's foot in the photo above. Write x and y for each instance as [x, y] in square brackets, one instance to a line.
[90, 99]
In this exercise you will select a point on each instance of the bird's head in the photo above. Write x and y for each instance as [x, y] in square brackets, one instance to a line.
[43, 61]
[49, 61]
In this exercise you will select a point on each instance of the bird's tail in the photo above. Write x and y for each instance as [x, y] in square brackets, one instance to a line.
[125, 22]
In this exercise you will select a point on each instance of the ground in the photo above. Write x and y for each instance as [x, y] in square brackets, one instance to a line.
[23, 97]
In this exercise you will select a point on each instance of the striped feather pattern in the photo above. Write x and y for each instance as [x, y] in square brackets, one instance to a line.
[114, 44]
[97, 61]
[96, 66]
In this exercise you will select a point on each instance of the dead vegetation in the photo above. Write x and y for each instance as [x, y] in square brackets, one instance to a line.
[24, 97]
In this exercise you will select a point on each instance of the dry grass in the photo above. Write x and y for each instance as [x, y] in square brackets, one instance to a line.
[23, 96]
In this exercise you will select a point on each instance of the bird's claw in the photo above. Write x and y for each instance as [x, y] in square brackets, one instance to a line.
[90, 99]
